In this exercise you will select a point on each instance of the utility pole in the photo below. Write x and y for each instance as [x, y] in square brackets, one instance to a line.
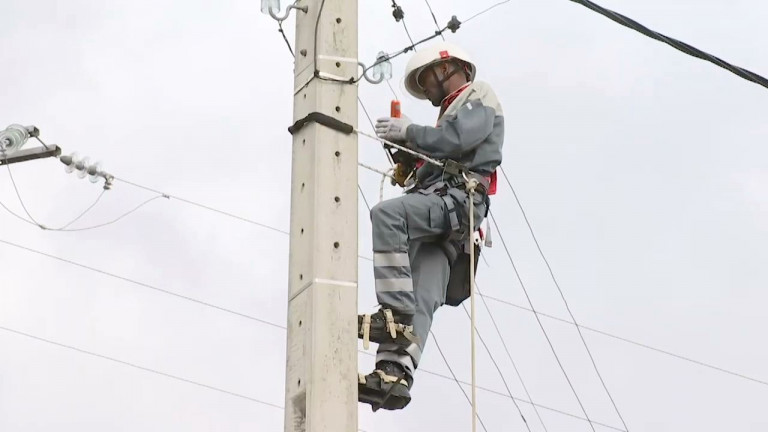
[321, 365]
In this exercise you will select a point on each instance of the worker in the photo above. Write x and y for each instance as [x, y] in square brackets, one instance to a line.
[421, 239]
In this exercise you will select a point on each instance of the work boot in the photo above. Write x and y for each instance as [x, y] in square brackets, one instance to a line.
[387, 387]
[386, 326]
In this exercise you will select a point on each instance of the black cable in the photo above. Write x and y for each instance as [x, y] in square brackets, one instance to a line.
[203, 206]
[450, 369]
[142, 284]
[434, 18]
[498, 369]
[365, 200]
[541, 325]
[142, 368]
[399, 15]
[509, 356]
[562, 295]
[629, 341]
[285, 38]
[486, 10]
[681, 46]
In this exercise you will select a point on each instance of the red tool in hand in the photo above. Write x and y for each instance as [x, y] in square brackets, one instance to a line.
[394, 110]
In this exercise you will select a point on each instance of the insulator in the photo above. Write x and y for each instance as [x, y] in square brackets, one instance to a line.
[13, 137]
[266, 5]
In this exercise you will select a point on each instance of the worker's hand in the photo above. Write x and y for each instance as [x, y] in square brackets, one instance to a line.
[401, 173]
[392, 128]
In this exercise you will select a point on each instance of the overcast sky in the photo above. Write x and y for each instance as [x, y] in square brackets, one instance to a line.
[643, 171]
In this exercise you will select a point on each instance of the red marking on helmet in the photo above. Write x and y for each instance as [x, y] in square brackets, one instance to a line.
[444, 54]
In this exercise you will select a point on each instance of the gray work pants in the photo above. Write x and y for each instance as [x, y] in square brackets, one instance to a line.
[411, 271]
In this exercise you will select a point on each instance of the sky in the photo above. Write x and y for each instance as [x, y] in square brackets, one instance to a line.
[642, 171]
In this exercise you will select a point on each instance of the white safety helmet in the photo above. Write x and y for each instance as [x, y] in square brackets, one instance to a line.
[429, 55]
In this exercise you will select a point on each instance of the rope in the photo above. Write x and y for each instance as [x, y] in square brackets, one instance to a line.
[423, 157]
[471, 189]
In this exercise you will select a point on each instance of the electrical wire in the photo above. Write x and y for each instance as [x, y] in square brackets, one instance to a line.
[541, 325]
[136, 366]
[113, 221]
[18, 195]
[450, 369]
[498, 369]
[65, 228]
[629, 341]
[509, 356]
[285, 38]
[103, 191]
[484, 11]
[434, 18]
[392, 90]
[680, 46]
[562, 295]
[141, 284]
[203, 206]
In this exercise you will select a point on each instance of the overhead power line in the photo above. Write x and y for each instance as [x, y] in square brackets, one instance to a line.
[271, 324]
[450, 369]
[629, 341]
[681, 46]
[509, 356]
[541, 325]
[498, 369]
[141, 284]
[562, 296]
[136, 366]
[203, 206]
[434, 18]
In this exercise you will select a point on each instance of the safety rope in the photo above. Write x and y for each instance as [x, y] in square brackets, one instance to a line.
[471, 185]
[421, 156]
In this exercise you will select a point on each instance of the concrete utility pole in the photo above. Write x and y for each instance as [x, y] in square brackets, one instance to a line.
[321, 369]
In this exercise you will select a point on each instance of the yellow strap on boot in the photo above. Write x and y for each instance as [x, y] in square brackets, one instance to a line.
[366, 331]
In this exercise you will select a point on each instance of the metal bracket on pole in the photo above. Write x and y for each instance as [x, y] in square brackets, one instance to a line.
[31, 154]
[323, 119]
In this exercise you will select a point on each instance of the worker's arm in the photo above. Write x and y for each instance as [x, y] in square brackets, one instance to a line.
[456, 134]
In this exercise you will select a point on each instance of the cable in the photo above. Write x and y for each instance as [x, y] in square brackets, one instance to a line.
[392, 90]
[18, 216]
[400, 16]
[562, 295]
[434, 339]
[142, 368]
[434, 18]
[629, 341]
[285, 38]
[103, 191]
[681, 46]
[141, 284]
[498, 369]
[203, 206]
[486, 10]
[114, 220]
[18, 195]
[509, 356]
[64, 228]
[505, 395]
[399, 147]
[541, 325]
[365, 200]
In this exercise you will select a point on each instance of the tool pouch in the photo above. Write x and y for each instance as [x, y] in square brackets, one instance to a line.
[458, 288]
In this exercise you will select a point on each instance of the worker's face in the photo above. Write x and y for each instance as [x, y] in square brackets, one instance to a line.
[428, 81]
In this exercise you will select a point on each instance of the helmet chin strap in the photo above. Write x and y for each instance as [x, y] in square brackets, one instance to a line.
[441, 83]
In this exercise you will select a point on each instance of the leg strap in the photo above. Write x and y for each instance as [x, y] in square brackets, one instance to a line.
[391, 329]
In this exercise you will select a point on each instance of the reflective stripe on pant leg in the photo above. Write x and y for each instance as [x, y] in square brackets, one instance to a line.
[403, 360]
[412, 350]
